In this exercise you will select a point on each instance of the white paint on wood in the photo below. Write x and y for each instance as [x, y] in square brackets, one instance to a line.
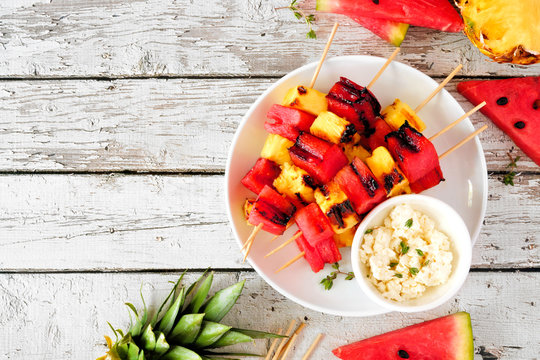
[147, 125]
[64, 316]
[122, 38]
[119, 222]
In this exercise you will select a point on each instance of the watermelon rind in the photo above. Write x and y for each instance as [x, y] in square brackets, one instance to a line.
[391, 31]
[466, 344]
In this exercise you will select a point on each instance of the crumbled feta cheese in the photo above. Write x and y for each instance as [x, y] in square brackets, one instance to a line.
[406, 254]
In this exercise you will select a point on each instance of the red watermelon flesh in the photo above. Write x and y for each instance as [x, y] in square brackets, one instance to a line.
[513, 105]
[391, 31]
[435, 14]
[446, 338]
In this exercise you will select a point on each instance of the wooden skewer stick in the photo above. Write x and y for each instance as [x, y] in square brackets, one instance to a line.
[296, 236]
[439, 88]
[462, 142]
[284, 340]
[379, 73]
[289, 347]
[290, 262]
[251, 237]
[291, 340]
[326, 48]
[461, 118]
[273, 345]
[312, 347]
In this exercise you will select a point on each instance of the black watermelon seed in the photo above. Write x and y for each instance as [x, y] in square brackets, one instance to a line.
[536, 104]
[376, 2]
[519, 124]
[502, 101]
[403, 354]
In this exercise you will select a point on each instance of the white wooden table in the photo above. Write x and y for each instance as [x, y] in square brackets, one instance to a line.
[115, 121]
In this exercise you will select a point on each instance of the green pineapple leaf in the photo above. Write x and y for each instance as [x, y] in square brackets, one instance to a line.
[136, 327]
[192, 287]
[258, 334]
[219, 305]
[181, 353]
[201, 294]
[210, 333]
[161, 343]
[133, 352]
[231, 337]
[186, 330]
[167, 322]
[148, 338]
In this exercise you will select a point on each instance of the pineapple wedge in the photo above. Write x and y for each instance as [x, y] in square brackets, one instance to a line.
[345, 239]
[248, 205]
[330, 127]
[336, 206]
[396, 114]
[276, 148]
[354, 149]
[295, 183]
[306, 99]
[386, 171]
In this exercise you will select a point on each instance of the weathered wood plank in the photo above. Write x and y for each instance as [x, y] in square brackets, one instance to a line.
[119, 38]
[147, 125]
[65, 315]
[120, 222]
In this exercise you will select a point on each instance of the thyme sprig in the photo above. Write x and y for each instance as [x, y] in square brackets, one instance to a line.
[508, 178]
[328, 281]
[300, 14]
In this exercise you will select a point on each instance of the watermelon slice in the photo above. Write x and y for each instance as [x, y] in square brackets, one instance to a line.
[435, 14]
[391, 31]
[513, 105]
[446, 338]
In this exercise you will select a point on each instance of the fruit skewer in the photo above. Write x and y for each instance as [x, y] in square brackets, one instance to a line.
[453, 148]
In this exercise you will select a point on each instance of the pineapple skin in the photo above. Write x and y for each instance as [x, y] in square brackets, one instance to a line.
[330, 127]
[295, 183]
[499, 29]
[383, 166]
[306, 99]
[276, 148]
[399, 111]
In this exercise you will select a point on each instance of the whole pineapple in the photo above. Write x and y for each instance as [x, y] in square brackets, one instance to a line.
[188, 329]
[506, 31]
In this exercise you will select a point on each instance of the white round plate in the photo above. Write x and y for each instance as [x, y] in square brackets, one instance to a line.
[465, 188]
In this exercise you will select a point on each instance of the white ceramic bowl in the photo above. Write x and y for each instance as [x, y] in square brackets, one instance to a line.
[465, 188]
[448, 221]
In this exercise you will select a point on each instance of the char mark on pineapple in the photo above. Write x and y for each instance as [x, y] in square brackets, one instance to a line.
[392, 179]
[308, 180]
[347, 135]
[302, 90]
[299, 198]
[338, 212]
[368, 182]
[405, 140]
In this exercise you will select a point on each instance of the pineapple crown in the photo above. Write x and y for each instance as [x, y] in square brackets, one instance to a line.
[189, 327]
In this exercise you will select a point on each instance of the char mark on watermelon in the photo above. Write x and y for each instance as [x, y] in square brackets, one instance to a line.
[272, 210]
[513, 105]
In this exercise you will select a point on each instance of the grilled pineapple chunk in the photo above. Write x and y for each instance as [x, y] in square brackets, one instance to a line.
[332, 128]
[295, 183]
[336, 206]
[306, 99]
[248, 205]
[345, 239]
[386, 171]
[396, 114]
[276, 148]
[353, 149]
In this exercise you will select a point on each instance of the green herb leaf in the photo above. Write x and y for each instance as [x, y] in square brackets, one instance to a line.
[404, 248]
[413, 271]
[419, 252]
[335, 266]
[350, 276]
[398, 275]
[408, 223]
[368, 231]
[426, 263]
[393, 264]
[311, 34]
[299, 14]
[328, 281]
[508, 179]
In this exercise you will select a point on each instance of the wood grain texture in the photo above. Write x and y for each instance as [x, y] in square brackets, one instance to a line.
[119, 222]
[63, 316]
[175, 125]
[119, 38]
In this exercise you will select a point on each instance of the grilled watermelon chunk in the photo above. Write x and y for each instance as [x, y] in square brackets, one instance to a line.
[414, 153]
[262, 173]
[287, 122]
[446, 338]
[376, 137]
[314, 225]
[435, 14]
[311, 255]
[391, 31]
[428, 181]
[361, 186]
[513, 105]
[272, 210]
